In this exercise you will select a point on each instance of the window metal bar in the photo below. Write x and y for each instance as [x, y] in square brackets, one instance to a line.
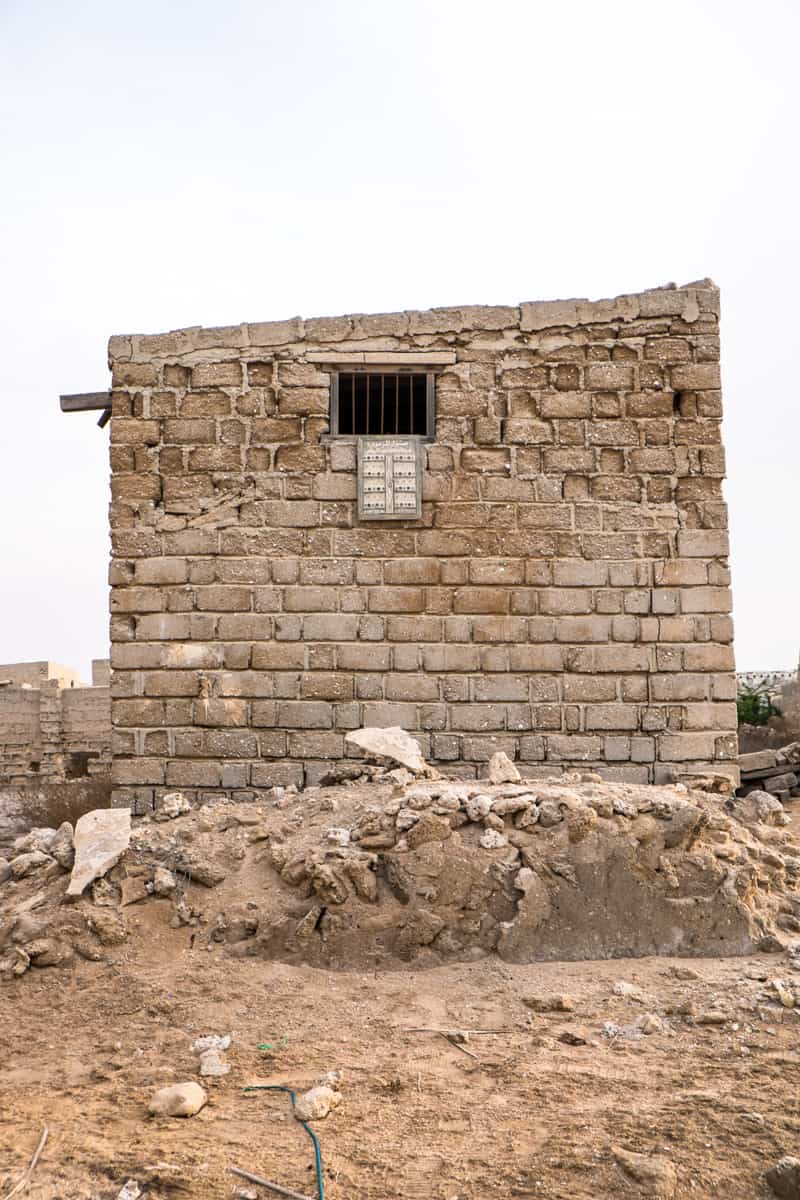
[335, 403]
[416, 411]
[429, 399]
[353, 401]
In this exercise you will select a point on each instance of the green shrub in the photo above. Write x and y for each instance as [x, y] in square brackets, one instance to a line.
[754, 705]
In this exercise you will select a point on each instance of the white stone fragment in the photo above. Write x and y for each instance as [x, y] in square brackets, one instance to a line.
[179, 1100]
[493, 840]
[502, 769]
[101, 838]
[392, 743]
[478, 807]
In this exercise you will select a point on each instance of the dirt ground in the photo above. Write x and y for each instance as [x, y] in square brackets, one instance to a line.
[82, 1051]
[514, 1111]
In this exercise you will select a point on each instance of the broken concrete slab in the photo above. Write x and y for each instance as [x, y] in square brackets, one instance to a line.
[101, 839]
[392, 743]
[758, 760]
[788, 754]
[780, 783]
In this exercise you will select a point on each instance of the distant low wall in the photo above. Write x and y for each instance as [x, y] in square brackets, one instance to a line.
[49, 804]
[53, 733]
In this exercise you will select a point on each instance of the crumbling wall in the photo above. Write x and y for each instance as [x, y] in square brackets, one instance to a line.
[20, 733]
[86, 730]
[54, 731]
[38, 674]
[563, 597]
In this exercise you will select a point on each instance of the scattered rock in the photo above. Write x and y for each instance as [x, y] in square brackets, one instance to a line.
[129, 1191]
[562, 1002]
[429, 828]
[478, 807]
[580, 823]
[200, 868]
[650, 1023]
[211, 1041]
[164, 882]
[525, 879]
[133, 889]
[62, 847]
[654, 1173]
[685, 973]
[48, 952]
[784, 1178]
[788, 754]
[406, 817]
[492, 839]
[393, 744]
[104, 893]
[783, 992]
[212, 1062]
[14, 962]
[712, 1016]
[108, 926]
[179, 1100]
[502, 770]
[5, 870]
[101, 838]
[550, 814]
[316, 1103]
[237, 923]
[40, 838]
[87, 949]
[630, 991]
[759, 808]
[571, 1037]
[507, 806]
[25, 864]
[173, 805]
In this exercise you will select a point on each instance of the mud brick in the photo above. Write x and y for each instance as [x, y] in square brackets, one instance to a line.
[193, 773]
[484, 461]
[412, 687]
[324, 685]
[217, 374]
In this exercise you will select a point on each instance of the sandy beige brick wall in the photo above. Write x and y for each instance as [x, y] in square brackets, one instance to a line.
[20, 732]
[51, 733]
[564, 596]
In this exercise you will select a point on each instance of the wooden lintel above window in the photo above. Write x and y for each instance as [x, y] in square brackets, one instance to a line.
[383, 358]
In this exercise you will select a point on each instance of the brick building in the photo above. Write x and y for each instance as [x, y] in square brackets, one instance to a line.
[562, 595]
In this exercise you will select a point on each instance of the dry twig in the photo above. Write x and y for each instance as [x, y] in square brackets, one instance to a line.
[26, 1177]
[274, 1187]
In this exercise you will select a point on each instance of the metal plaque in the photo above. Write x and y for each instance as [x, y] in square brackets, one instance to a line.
[389, 479]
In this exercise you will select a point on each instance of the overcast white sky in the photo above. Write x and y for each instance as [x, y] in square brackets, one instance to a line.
[170, 164]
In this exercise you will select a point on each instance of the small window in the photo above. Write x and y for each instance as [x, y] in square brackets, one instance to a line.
[77, 764]
[373, 403]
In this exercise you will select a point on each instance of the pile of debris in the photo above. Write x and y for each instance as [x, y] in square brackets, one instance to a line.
[773, 771]
[406, 867]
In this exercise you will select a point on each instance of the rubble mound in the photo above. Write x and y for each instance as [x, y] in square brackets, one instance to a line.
[423, 871]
